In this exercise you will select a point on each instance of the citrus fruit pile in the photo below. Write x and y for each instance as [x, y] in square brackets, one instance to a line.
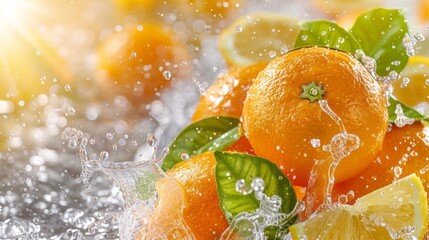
[307, 111]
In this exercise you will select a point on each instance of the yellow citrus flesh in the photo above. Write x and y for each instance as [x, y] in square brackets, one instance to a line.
[257, 38]
[337, 7]
[417, 90]
[386, 213]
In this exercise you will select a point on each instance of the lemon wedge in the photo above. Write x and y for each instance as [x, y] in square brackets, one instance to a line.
[259, 37]
[396, 211]
[413, 86]
[338, 7]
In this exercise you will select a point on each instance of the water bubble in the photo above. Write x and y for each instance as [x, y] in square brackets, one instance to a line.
[258, 185]
[304, 37]
[402, 120]
[272, 54]
[133, 54]
[409, 42]
[104, 156]
[341, 40]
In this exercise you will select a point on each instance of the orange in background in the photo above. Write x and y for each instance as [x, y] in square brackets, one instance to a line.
[139, 62]
[226, 96]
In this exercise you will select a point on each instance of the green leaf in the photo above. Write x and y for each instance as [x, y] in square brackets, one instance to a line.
[232, 167]
[210, 134]
[408, 112]
[380, 33]
[327, 34]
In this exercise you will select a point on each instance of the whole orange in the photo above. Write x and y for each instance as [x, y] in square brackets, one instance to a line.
[226, 95]
[280, 125]
[405, 151]
[202, 211]
[140, 61]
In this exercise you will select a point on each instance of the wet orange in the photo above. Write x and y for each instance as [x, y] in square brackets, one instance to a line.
[280, 125]
[226, 96]
[160, 225]
[140, 61]
[405, 151]
[202, 211]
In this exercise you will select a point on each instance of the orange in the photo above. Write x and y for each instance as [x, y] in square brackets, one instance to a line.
[140, 61]
[347, 20]
[226, 95]
[162, 225]
[280, 124]
[202, 211]
[242, 145]
[405, 151]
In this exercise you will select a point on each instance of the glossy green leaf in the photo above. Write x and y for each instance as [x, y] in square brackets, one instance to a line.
[408, 112]
[210, 134]
[380, 33]
[232, 167]
[327, 34]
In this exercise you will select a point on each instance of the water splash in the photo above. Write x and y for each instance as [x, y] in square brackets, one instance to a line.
[322, 175]
[153, 201]
[252, 225]
[402, 120]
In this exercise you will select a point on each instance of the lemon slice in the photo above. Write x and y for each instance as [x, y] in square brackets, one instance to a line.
[259, 37]
[390, 212]
[417, 89]
[337, 7]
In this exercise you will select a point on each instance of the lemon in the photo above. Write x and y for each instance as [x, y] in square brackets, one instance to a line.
[257, 38]
[387, 213]
[416, 89]
[336, 7]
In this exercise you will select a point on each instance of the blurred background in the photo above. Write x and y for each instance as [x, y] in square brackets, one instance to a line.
[117, 70]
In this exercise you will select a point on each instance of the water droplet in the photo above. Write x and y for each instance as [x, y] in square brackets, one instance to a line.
[272, 54]
[405, 82]
[109, 136]
[67, 87]
[241, 187]
[397, 170]
[167, 75]
[151, 140]
[419, 37]
[71, 111]
[315, 142]
[238, 28]
[304, 37]
[184, 156]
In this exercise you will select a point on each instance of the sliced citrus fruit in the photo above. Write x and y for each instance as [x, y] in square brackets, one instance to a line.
[394, 211]
[258, 38]
[413, 87]
[336, 7]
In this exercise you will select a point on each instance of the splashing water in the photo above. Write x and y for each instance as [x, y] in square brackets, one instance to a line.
[322, 174]
[153, 201]
[252, 225]
[402, 120]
